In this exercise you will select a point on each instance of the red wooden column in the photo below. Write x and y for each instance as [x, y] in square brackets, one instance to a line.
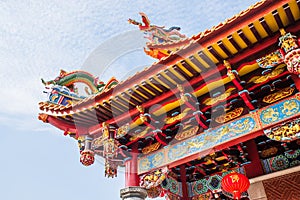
[131, 170]
[132, 189]
[185, 194]
[296, 80]
[255, 168]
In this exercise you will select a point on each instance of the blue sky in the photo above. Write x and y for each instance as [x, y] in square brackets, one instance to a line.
[37, 39]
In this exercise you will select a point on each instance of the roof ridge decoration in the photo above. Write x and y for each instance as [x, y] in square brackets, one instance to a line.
[62, 89]
[159, 37]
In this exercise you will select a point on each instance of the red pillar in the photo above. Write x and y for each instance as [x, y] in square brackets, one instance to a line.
[296, 80]
[131, 169]
[185, 193]
[255, 168]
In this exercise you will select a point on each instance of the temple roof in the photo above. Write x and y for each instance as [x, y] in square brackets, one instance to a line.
[254, 30]
[208, 94]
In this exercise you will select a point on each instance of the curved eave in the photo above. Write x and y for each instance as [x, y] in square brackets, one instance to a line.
[235, 40]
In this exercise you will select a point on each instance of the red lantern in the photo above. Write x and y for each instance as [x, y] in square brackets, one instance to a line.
[235, 184]
[87, 157]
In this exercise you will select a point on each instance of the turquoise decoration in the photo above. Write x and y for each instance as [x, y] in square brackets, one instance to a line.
[197, 144]
[151, 161]
[257, 120]
[158, 159]
[270, 115]
[178, 151]
[292, 154]
[211, 137]
[214, 182]
[210, 183]
[281, 162]
[174, 187]
[295, 163]
[166, 184]
[200, 186]
[62, 95]
[280, 111]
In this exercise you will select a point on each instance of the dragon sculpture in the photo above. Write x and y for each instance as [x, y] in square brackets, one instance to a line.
[157, 36]
[62, 89]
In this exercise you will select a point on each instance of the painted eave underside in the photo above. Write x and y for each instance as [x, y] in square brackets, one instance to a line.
[237, 40]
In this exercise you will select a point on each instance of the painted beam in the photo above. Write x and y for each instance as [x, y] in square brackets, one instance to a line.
[239, 130]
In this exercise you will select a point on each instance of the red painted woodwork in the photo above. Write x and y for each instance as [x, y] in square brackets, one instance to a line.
[247, 53]
[245, 96]
[237, 84]
[255, 168]
[66, 127]
[185, 194]
[296, 80]
[131, 169]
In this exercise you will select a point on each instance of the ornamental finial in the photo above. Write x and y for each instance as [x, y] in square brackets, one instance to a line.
[105, 130]
[140, 109]
[180, 88]
[227, 65]
[282, 31]
[230, 73]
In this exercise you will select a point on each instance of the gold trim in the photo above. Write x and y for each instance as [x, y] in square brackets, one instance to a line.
[211, 101]
[271, 98]
[285, 132]
[260, 79]
[230, 115]
[171, 120]
[186, 133]
[139, 135]
[151, 148]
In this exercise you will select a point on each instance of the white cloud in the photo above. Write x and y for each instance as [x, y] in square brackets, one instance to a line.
[41, 37]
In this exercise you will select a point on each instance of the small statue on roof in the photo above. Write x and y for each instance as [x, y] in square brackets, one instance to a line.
[157, 34]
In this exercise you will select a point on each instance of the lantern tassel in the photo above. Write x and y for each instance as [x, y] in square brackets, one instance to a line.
[236, 195]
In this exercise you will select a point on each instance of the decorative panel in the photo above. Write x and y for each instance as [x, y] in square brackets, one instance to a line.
[209, 184]
[172, 187]
[245, 125]
[279, 111]
[281, 162]
[199, 143]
